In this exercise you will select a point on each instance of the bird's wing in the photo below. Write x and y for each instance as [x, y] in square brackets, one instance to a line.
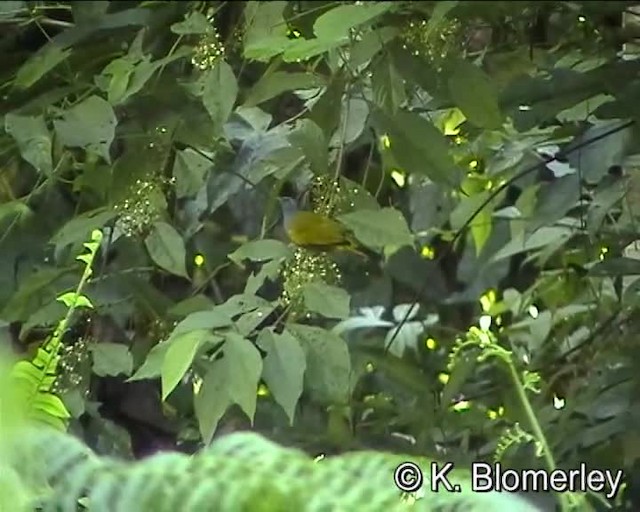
[309, 228]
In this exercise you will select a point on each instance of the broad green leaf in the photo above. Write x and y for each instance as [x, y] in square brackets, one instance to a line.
[308, 136]
[152, 366]
[189, 170]
[274, 84]
[417, 146]
[241, 304]
[33, 139]
[90, 125]
[265, 31]
[355, 114]
[370, 44]
[270, 270]
[304, 49]
[79, 228]
[328, 301]
[616, 267]
[31, 292]
[111, 359]
[439, 14]
[48, 315]
[378, 229]
[231, 379]
[166, 248]
[250, 321]
[472, 91]
[260, 250]
[336, 23]
[191, 304]
[541, 238]
[215, 318]
[387, 85]
[328, 372]
[480, 224]
[283, 368]
[219, 93]
[179, 357]
[194, 23]
[39, 64]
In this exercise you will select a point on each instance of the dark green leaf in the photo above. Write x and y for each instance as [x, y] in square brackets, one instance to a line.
[472, 91]
[33, 138]
[111, 359]
[284, 368]
[328, 370]
[189, 170]
[417, 146]
[90, 125]
[260, 250]
[378, 229]
[274, 84]
[179, 357]
[219, 93]
[40, 64]
[194, 23]
[166, 248]
[308, 136]
[79, 228]
[387, 85]
[328, 301]
[231, 379]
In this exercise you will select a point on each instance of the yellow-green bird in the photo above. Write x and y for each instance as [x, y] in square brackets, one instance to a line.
[314, 230]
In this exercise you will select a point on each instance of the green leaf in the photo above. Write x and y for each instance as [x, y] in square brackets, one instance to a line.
[270, 270]
[219, 93]
[309, 137]
[328, 371]
[283, 368]
[417, 146]
[541, 238]
[166, 248]
[355, 114]
[152, 366]
[33, 138]
[304, 49]
[378, 229]
[472, 91]
[274, 84]
[260, 250]
[265, 31]
[90, 125]
[387, 85]
[39, 64]
[111, 359]
[328, 301]
[194, 23]
[72, 299]
[481, 223]
[231, 379]
[336, 23]
[214, 318]
[79, 228]
[189, 170]
[179, 357]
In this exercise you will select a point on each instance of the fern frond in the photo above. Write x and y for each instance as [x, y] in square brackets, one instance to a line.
[242, 472]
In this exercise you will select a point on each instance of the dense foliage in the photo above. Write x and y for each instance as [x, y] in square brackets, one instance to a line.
[483, 154]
